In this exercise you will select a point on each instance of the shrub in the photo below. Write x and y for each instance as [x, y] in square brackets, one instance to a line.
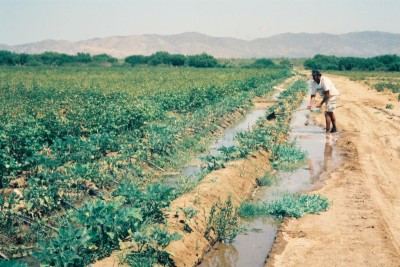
[389, 106]
[202, 61]
[136, 60]
[263, 63]
[223, 221]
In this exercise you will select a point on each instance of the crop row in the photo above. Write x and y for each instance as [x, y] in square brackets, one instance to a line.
[58, 145]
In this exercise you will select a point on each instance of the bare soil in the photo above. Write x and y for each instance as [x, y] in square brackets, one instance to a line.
[362, 225]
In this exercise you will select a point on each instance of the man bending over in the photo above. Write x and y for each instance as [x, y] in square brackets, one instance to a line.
[325, 87]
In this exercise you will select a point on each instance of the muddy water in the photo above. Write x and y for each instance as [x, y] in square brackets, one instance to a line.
[252, 247]
[228, 139]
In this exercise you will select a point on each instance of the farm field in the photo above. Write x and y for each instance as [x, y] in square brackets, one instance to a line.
[86, 154]
[361, 226]
[82, 151]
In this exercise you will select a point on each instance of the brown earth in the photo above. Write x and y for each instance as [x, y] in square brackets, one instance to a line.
[362, 225]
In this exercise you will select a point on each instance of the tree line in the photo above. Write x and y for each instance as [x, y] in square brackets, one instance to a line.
[164, 58]
[8, 58]
[161, 58]
[377, 63]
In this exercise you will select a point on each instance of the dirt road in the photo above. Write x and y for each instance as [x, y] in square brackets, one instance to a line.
[362, 225]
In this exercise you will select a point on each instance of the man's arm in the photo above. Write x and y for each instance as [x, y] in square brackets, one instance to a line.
[326, 97]
[312, 99]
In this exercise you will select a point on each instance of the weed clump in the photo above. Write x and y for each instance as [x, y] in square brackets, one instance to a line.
[223, 222]
[290, 205]
[267, 180]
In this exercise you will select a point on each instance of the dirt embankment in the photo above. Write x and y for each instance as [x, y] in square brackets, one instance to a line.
[362, 225]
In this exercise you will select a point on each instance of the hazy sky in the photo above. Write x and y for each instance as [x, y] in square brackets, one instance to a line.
[24, 21]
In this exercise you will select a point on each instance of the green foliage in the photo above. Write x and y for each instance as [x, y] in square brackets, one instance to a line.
[223, 222]
[12, 263]
[202, 61]
[389, 106]
[215, 162]
[322, 62]
[90, 232]
[104, 58]
[383, 62]
[267, 180]
[136, 60]
[290, 205]
[189, 214]
[177, 60]
[286, 154]
[69, 248]
[393, 87]
[263, 63]
[152, 201]
[150, 247]
[52, 59]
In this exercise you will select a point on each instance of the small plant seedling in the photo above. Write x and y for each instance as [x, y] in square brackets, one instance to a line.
[389, 106]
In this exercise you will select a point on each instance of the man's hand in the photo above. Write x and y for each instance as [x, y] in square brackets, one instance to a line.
[319, 105]
[309, 107]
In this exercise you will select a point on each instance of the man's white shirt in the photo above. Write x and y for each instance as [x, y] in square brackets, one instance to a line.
[324, 85]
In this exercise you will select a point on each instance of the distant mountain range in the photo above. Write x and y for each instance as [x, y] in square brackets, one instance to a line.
[291, 45]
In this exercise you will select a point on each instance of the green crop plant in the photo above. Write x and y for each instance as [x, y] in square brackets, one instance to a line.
[290, 205]
[287, 155]
[389, 106]
[70, 247]
[150, 247]
[223, 221]
[12, 263]
[215, 162]
[152, 201]
[90, 232]
[189, 214]
[393, 87]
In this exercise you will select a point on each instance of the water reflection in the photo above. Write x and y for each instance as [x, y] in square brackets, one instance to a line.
[318, 167]
[227, 256]
[328, 151]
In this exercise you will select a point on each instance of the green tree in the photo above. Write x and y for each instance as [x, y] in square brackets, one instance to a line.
[104, 58]
[83, 57]
[7, 58]
[136, 60]
[202, 61]
[263, 63]
[160, 58]
[177, 60]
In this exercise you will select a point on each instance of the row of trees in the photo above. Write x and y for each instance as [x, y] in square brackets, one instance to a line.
[378, 63]
[203, 60]
[58, 59]
[53, 59]
[200, 61]
[164, 58]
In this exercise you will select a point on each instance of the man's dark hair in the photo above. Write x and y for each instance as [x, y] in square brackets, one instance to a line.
[316, 73]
